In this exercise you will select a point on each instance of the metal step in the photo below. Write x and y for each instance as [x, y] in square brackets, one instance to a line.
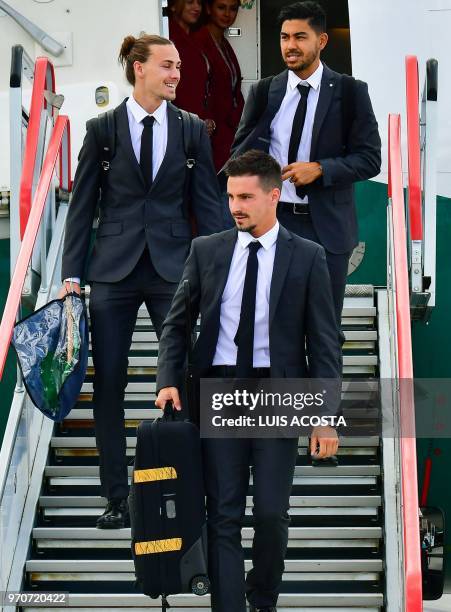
[299, 571]
[296, 533]
[349, 361]
[313, 543]
[316, 600]
[350, 335]
[296, 501]
[313, 480]
[93, 513]
[367, 511]
[137, 415]
[89, 442]
[175, 606]
[300, 470]
[126, 565]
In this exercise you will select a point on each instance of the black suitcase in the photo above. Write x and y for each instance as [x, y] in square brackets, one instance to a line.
[167, 508]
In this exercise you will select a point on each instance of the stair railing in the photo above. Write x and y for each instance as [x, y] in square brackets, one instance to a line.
[28, 432]
[398, 283]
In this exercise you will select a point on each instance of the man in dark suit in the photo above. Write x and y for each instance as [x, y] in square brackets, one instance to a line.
[143, 238]
[266, 307]
[320, 126]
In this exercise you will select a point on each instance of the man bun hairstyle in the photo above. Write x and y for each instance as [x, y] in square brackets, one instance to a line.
[256, 163]
[308, 10]
[138, 50]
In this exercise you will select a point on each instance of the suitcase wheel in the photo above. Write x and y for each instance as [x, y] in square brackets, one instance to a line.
[200, 585]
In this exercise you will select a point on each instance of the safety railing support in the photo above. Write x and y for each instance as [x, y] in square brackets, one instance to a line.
[428, 136]
[414, 175]
[21, 66]
[412, 587]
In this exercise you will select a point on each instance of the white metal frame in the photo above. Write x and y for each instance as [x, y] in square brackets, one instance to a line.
[391, 453]
[428, 141]
[27, 436]
[16, 122]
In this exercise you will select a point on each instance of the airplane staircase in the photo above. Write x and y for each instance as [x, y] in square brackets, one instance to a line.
[353, 538]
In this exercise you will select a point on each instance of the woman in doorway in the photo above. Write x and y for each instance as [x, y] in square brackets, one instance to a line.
[226, 98]
[193, 88]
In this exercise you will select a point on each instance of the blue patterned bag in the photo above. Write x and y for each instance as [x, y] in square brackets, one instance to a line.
[52, 346]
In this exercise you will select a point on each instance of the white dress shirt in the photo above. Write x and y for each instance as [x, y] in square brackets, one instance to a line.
[226, 349]
[136, 114]
[282, 124]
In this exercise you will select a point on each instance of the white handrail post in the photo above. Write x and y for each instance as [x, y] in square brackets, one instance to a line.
[429, 114]
[21, 65]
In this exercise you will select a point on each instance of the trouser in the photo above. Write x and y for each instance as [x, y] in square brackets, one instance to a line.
[227, 463]
[226, 466]
[113, 309]
[338, 264]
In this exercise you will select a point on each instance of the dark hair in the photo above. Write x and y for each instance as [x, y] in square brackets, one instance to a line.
[256, 163]
[138, 50]
[311, 11]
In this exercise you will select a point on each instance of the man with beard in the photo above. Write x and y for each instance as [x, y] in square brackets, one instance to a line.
[320, 126]
[266, 311]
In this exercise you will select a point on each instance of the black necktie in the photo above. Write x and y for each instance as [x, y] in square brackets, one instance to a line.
[145, 157]
[298, 123]
[244, 338]
[296, 130]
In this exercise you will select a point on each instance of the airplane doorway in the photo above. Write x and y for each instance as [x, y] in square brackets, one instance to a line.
[337, 54]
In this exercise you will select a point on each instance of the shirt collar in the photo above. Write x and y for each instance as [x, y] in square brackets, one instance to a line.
[314, 79]
[139, 113]
[267, 240]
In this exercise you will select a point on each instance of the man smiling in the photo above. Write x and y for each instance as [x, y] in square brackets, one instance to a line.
[320, 126]
[144, 233]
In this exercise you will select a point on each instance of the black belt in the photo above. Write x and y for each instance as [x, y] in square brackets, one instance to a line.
[296, 208]
[225, 371]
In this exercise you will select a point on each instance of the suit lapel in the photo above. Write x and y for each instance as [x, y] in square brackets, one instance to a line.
[223, 259]
[276, 94]
[284, 248]
[326, 93]
[123, 134]
[174, 128]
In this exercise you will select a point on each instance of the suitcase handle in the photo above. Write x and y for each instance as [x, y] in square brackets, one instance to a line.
[169, 412]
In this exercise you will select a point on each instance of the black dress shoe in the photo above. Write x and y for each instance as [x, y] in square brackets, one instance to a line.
[115, 516]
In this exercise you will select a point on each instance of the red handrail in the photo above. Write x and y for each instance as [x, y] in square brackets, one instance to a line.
[412, 560]
[59, 146]
[44, 80]
[413, 148]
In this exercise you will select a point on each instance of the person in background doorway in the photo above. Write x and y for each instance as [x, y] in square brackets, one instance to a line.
[227, 100]
[193, 90]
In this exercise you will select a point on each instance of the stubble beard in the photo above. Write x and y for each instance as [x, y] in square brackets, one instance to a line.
[304, 62]
[248, 228]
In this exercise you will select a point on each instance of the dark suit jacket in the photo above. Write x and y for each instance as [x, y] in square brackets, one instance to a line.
[344, 159]
[132, 216]
[300, 309]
